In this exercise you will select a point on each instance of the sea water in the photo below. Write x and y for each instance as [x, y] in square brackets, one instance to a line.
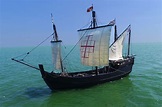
[21, 86]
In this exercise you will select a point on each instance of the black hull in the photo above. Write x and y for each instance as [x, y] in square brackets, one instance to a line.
[57, 81]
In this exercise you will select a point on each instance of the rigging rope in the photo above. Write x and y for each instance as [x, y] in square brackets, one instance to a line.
[26, 54]
[77, 42]
[74, 46]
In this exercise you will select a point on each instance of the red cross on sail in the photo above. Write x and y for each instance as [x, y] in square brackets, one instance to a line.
[87, 46]
[94, 45]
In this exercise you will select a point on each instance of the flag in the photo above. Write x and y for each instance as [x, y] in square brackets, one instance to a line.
[90, 9]
[112, 23]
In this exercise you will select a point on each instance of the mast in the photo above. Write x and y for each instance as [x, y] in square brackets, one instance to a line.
[116, 48]
[94, 44]
[115, 33]
[129, 38]
[55, 32]
[94, 19]
[55, 36]
[57, 42]
[94, 25]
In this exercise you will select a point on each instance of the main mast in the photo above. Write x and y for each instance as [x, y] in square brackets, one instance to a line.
[94, 23]
[94, 19]
[94, 43]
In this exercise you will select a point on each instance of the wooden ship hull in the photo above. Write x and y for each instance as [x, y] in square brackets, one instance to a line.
[58, 81]
[95, 52]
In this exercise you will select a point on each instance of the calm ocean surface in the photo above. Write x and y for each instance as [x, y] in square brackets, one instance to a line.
[21, 86]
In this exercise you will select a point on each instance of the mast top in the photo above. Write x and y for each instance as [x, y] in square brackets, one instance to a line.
[55, 36]
[94, 19]
[93, 23]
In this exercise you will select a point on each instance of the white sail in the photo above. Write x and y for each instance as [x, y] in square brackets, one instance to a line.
[116, 49]
[56, 54]
[94, 46]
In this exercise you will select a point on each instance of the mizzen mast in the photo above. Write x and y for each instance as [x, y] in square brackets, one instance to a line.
[129, 39]
[115, 33]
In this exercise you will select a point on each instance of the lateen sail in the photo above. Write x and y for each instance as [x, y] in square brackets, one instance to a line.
[56, 54]
[94, 46]
[116, 49]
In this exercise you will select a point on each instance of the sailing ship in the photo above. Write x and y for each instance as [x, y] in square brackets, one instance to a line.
[106, 59]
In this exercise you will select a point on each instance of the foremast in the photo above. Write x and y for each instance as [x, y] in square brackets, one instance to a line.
[56, 49]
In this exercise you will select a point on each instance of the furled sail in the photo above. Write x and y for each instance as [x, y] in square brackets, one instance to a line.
[56, 54]
[94, 45]
[116, 49]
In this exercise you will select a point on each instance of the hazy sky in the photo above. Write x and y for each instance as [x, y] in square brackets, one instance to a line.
[28, 22]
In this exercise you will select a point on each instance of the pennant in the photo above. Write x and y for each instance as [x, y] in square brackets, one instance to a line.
[112, 23]
[90, 9]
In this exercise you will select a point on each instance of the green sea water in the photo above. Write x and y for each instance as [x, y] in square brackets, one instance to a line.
[21, 86]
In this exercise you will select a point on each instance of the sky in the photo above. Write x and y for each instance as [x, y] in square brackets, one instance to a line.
[28, 22]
